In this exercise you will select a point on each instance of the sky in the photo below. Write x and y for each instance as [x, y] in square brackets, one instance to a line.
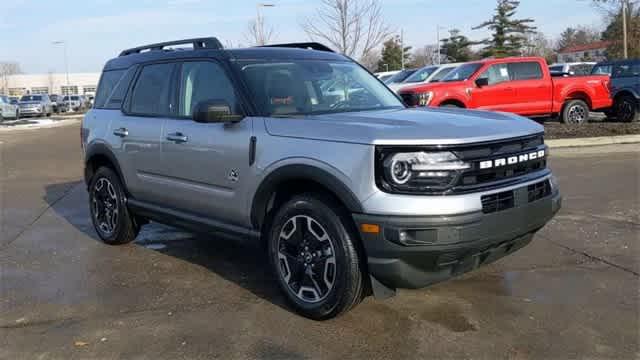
[97, 30]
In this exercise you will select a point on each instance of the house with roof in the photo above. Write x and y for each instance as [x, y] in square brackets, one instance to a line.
[595, 51]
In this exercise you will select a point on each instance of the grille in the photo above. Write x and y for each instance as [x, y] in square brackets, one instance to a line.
[476, 177]
[497, 202]
[409, 99]
[538, 191]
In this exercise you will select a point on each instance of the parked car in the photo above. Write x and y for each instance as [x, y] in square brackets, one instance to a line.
[427, 74]
[7, 109]
[36, 105]
[348, 195]
[400, 76]
[624, 88]
[57, 104]
[14, 100]
[521, 85]
[572, 68]
[74, 103]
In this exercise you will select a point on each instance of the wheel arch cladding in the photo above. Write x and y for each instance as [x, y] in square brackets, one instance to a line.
[283, 181]
[100, 155]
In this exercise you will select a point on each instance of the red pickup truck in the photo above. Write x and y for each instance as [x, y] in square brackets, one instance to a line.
[520, 85]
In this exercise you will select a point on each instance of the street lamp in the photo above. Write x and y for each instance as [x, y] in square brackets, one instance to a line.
[66, 61]
[260, 38]
[438, 27]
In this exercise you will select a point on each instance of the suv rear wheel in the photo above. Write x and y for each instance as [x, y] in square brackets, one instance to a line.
[313, 254]
[575, 112]
[109, 214]
[626, 109]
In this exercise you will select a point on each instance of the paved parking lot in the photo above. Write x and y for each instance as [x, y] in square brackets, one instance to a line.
[572, 293]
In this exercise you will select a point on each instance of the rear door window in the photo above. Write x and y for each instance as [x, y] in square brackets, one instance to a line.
[525, 70]
[204, 80]
[150, 94]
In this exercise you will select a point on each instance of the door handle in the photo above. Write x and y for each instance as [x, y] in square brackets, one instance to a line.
[122, 132]
[177, 137]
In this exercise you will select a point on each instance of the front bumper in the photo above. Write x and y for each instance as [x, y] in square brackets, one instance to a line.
[450, 245]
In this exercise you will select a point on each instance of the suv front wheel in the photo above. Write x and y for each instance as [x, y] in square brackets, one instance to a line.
[312, 250]
[109, 214]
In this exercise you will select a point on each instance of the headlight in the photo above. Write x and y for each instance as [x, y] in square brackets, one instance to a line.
[420, 171]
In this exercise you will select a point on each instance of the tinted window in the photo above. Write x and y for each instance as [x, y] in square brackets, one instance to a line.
[31, 98]
[496, 74]
[201, 81]
[107, 83]
[151, 91]
[525, 71]
[601, 70]
[114, 101]
[556, 68]
[74, 98]
[626, 70]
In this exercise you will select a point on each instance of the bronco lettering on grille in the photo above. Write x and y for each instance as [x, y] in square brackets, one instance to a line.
[511, 160]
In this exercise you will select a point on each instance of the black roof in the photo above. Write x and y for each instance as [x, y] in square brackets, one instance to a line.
[311, 51]
[618, 62]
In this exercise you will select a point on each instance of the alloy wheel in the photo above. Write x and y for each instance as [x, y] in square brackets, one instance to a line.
[306, 258]
[577, 114]
[104, 202]
[625, 110]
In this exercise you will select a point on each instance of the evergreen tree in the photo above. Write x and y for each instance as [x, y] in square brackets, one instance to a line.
[613, 34]
[509, 34]
[392, 53]
[456, 47]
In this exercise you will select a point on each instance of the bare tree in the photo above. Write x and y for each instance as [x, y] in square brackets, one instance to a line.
[8, 68]
[352, 27]
[259, 32]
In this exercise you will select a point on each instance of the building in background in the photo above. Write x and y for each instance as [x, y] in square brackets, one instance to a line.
[51, 83]
[596, 51]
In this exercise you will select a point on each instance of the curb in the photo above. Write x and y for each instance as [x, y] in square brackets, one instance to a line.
[592, 141]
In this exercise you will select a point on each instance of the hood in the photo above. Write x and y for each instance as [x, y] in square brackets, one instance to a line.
[432, 86]
[426, 126]
[397, 86]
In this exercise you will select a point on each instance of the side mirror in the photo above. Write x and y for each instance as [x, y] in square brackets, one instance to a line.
[214, 111]
[480, 82]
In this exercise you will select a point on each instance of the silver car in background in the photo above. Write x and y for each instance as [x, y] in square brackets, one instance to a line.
[74, 103]
[35, 105]
[7, 109]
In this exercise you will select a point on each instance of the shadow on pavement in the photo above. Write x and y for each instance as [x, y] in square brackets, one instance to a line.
[244, 264]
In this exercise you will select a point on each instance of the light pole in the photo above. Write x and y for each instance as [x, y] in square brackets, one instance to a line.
[259, 34]
[624, 27]
[66, 61]
[438, 27]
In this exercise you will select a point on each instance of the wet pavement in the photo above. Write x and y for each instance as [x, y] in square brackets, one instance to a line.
[572, 293]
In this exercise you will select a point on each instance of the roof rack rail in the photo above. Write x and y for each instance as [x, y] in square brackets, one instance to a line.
[198, 43]
[302, 45]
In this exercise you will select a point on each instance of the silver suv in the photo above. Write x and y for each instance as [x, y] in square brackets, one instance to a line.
[303, 150]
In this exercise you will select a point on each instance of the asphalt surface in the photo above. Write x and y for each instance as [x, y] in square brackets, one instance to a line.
[572, 293]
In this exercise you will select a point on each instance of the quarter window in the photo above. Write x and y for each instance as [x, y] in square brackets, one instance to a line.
[151, 92]
[108, 82]
[525, 71]
[496, 74]
[200, 81]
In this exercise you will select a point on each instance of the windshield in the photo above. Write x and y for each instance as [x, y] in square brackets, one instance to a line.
[31, 98]
[75, 98]
[399, 77]
[461, 73]
[306, 87]
[557, 68]
[421, 75]
[441, 74]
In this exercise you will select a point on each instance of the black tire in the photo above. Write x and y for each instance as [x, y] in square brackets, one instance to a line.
[102, 201]
[342, 278]
[626, 108]
[575, 112]
[451, 105]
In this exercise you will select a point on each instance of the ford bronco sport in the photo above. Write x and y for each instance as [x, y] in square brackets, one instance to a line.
[303, 150]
